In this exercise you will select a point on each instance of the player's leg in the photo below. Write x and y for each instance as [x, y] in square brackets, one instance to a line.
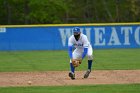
[72, 68]
[90, 58]
[72, 72]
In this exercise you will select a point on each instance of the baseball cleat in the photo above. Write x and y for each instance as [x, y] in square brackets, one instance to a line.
[87, 73]
[72, 75]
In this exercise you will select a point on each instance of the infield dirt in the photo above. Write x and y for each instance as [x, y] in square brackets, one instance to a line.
[60, 78]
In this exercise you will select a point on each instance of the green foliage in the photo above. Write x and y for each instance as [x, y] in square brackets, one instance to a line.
[68, 11]
[45, 11]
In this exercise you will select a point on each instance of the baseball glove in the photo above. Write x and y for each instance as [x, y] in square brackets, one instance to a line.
[76, 62]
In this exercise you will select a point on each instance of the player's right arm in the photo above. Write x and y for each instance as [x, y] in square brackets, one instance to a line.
[70, 51]
[70, 45]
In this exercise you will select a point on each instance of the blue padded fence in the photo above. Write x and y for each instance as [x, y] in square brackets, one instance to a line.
[56, 37]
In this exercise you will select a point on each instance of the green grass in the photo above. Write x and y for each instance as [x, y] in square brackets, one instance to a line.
[11, 61]
[117, 59]
[33, 61]
[130, 88]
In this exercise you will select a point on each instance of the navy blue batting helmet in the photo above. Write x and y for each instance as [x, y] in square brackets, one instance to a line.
[76, 29]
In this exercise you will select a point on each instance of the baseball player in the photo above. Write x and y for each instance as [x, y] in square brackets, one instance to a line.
[82, 48]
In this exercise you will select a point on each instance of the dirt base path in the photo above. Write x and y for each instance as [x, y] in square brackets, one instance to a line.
[60, 78]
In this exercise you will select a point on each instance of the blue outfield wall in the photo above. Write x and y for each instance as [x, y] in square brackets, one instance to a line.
[55, 37]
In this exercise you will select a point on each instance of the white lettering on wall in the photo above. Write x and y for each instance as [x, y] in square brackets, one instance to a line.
[126, 31]
[2, 30]
[65, 34]
[114, 40]
[88, 33]
[99, 40]
[137, 35]
[116, 35]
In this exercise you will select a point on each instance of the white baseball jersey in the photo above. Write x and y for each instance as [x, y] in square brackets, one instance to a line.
[80, 45]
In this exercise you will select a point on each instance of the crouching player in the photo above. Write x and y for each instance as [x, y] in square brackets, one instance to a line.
[82, 49]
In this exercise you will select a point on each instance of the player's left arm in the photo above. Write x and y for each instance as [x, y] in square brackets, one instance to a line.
[85, 45]
[85, 52]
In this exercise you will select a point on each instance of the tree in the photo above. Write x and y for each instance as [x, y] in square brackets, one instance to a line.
[68, 11]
